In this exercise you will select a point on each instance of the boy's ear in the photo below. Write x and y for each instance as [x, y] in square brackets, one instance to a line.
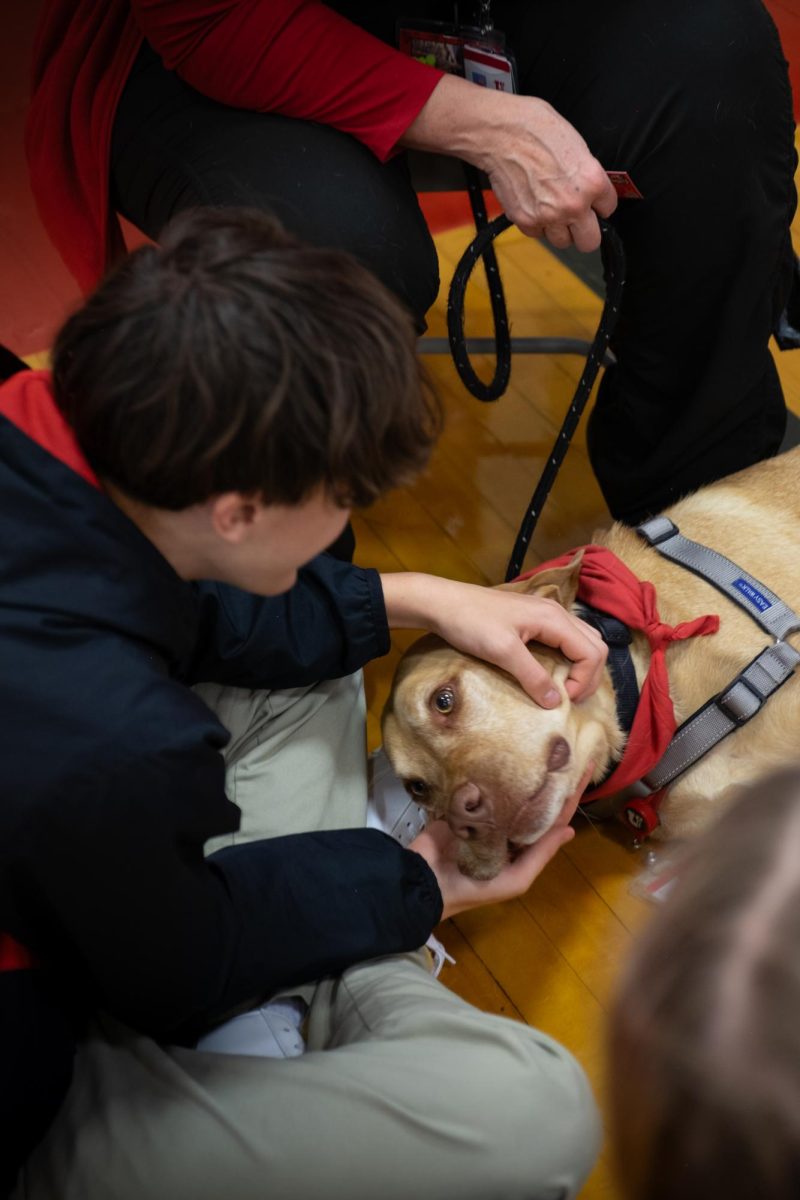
[554, 583]
[232, 515]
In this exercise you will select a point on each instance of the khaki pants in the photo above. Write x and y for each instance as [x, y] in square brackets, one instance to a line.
[404, 1091]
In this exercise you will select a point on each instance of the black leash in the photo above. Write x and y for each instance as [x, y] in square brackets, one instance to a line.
[613, 258]
[480, 247]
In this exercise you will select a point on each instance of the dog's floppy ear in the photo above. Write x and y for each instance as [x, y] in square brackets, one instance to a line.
[554, 583]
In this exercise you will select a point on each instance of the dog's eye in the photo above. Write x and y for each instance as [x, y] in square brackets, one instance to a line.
[417, 788]
[445, 700]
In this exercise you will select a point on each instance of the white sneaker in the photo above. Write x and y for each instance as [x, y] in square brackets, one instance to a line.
[389, 806]
[272, 1031]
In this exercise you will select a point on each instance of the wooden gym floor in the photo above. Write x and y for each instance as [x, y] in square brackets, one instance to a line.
[551, 957]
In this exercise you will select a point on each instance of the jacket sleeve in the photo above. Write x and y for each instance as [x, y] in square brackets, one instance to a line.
[118, 894]
[332, 622]
[294, 57]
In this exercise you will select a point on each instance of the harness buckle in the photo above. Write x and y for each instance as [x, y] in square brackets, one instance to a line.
[741, 701]
[657, 530]
[753, 686]
[640, 812]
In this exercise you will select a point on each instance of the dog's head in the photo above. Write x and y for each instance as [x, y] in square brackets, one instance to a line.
[474, 749]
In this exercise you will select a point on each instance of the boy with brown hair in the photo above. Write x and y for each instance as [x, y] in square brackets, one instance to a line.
[214, 410]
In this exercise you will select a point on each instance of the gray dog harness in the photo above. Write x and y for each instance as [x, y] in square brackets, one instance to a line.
[744, 696]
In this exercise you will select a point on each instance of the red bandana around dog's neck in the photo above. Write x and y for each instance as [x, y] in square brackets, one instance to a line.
[606, 583]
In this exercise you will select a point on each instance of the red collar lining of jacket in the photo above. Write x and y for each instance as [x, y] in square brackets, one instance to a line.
[13, 956]
[27, 401]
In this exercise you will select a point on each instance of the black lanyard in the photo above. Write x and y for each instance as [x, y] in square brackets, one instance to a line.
[483, 16]
[485, 22]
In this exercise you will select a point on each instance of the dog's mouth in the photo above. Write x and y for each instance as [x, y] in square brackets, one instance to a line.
[537, 813]
[484, 855]
[515, 848]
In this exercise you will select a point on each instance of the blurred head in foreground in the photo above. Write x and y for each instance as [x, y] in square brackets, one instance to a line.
[705, 1032]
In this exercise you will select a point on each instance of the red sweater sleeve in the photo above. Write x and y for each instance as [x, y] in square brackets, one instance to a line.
[295, 57]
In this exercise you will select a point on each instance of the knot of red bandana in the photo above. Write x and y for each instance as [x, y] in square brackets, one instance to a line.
[606, 583]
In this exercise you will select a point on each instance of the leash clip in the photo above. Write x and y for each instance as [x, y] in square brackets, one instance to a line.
[639, 812]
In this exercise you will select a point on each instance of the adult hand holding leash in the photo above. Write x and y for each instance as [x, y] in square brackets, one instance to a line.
[540, 168]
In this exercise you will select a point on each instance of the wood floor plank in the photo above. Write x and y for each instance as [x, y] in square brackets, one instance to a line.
[469, 976]
[577, 919]
[788, 364]
[543, 986]
[484, 534]
[416, 540]
[504, 473]
[371, 551]
[611, 866]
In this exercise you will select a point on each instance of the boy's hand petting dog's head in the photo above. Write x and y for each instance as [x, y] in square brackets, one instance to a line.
[475, 750]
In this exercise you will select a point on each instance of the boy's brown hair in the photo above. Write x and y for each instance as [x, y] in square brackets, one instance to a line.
[705, 1033]
[231, 357]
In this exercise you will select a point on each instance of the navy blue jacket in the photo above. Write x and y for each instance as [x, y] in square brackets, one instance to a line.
[112, 777]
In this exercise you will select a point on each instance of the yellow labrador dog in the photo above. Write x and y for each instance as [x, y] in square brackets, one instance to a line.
[473, 748]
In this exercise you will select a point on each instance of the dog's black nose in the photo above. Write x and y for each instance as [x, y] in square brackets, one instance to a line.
[559, 754]
[467, 808]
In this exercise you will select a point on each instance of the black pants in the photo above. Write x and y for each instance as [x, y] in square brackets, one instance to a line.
[691, 97]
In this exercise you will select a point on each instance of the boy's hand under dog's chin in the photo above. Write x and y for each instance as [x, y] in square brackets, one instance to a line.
[439, 846]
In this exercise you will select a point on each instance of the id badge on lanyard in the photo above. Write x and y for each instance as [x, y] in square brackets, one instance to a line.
[477, 52]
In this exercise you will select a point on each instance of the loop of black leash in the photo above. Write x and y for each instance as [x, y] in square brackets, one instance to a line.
[480, 247]
[613, 257]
